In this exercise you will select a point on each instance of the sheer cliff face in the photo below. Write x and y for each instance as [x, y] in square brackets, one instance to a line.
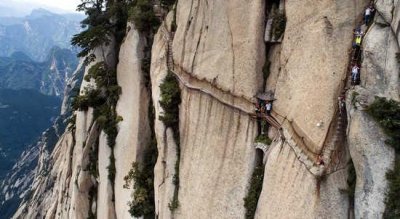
[218, 49]
[222, 42]
[218, 54]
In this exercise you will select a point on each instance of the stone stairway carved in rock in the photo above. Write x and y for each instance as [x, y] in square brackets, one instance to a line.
[338, 139]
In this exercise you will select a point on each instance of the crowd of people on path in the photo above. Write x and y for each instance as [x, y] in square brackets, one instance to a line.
[369, 13]
[263, 107]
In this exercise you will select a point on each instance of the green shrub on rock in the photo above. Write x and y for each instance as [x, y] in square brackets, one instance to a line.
[142, 178]
[143, 16]
[263, 139]
[251, 200]
[167, 3]
[170, 100]
[387, 114]
[392, 195]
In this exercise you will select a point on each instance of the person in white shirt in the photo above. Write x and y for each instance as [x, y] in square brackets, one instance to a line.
[355, 73]
[342, 103]
[368, 14]
[268, 107]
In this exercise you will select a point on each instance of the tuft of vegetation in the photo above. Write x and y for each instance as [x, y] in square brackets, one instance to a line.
[170, 100]
[111, 168]
[167, 3]
[174, 204]
[143, 16]
[92, 198]
[89, 98]
[263, 139]
[278, 22]
[71, 123]
[354, 98]
[93, 166]
[387, 114]
[351, 182]
[142, 178]
[392, 196]
[251, 200]
[103, 99]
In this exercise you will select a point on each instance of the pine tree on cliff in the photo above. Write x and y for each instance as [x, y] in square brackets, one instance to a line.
[105, 20]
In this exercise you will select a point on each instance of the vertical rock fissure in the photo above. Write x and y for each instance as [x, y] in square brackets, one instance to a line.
[170, 101]
[255, 187]
[200, 37]
[142, 173]
[351, 183]
[93, 169]
[233, 55]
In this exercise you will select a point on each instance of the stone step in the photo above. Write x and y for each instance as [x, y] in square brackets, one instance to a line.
[308, 163]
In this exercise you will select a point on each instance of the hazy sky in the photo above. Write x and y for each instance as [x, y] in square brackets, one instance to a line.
[67, 5]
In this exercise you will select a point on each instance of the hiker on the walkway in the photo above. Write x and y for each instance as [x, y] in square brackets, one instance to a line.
[355, 74]
[261, 103]
[268, 107]
[258, 116]
[372, 6]
[368, 14]
[257, 108]
[320, 160]
[342, 103]
[357, 31]
[357, 40]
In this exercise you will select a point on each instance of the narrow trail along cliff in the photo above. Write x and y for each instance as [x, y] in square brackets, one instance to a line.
[330, 153]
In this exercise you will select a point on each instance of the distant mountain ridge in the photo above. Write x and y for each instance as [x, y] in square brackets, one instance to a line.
[18, 8]
[39, 75]
[37, 33]
[49, 77]
[19, 155]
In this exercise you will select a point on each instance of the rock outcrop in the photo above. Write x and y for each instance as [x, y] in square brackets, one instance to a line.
[379, 77]
[133, 106]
